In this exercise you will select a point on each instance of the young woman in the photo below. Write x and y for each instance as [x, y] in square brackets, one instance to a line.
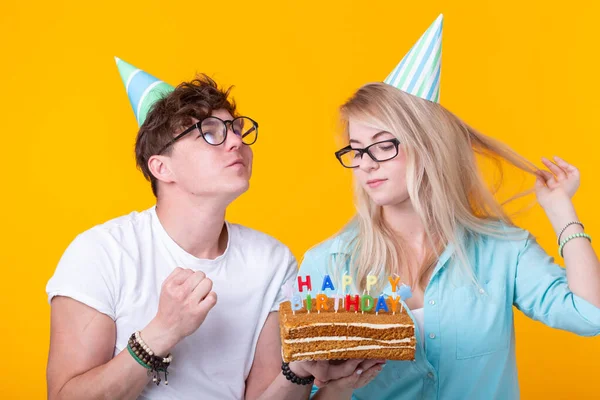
[425, 214]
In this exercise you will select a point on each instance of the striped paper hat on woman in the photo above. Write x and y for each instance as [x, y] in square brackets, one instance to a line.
[419, 71]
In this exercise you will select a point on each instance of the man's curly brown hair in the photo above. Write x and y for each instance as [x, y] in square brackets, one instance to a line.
[175, 112]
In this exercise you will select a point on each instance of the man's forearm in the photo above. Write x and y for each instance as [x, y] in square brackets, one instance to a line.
[281, 388]
[122, 378]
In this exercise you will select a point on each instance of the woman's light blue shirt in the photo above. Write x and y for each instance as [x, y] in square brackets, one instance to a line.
[469, 350]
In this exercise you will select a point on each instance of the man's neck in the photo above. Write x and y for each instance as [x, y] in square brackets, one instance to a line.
[196, 225]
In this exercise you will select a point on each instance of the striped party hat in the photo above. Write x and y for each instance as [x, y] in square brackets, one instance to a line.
[142, 88]
[419, 71]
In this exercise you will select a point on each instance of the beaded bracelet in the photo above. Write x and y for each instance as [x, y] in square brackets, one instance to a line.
[136, 358]
[138, 338]
[142, 353]
[565, 228]
[573, 236]
[291, 376]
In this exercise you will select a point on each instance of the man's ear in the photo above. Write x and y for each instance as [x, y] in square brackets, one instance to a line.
[160, 168]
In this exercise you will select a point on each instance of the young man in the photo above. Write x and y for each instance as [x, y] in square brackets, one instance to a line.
[189, 283]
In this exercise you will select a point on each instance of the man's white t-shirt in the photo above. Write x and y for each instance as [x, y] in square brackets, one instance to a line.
[118, 269]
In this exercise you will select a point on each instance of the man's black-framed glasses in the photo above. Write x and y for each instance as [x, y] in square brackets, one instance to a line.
[385, 150]
[214, 130]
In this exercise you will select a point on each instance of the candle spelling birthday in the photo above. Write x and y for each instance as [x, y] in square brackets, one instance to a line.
[355, 302]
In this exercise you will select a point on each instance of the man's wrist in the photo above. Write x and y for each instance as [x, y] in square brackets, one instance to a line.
[297, 368]
[294, 378]
[159, 341]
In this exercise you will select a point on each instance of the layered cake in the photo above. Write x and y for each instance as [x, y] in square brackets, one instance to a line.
[356, 327]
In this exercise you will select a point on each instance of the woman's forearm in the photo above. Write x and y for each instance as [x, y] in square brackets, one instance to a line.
[583, 267]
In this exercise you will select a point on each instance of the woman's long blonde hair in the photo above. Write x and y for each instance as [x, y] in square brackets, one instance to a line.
[444, 182]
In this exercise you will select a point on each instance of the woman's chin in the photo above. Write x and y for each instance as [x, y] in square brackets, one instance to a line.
[382, 200]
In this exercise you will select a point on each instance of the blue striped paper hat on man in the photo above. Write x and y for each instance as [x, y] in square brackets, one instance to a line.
[142, 89]
[419, 71]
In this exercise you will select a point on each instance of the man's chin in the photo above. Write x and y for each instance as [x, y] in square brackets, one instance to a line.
[240, 188]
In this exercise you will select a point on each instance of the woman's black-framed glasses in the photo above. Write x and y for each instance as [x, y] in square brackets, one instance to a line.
[385, 150]
[214, 131]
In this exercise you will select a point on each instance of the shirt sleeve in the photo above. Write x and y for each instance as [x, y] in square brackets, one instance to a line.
[315, 389]
[86, 272]
[291, 270]
[542, 293]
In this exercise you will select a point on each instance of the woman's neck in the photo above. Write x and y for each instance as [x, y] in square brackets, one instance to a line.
[406, 224]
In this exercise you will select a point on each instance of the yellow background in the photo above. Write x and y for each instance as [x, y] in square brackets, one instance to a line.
[522, 71]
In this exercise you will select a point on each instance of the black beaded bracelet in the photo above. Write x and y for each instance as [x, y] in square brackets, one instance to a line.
[291, 376]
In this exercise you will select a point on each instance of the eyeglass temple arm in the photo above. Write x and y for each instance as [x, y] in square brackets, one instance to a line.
[249, 131]
[176, 138]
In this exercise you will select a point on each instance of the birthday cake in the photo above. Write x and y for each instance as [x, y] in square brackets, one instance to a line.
[329, 327]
